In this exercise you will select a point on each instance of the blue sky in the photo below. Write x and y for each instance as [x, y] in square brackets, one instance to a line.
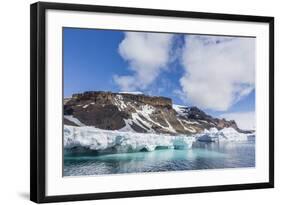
[214, 73]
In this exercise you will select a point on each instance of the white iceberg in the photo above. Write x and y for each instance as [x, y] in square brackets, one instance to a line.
[231, 134]
[209, 135]
[225, 134]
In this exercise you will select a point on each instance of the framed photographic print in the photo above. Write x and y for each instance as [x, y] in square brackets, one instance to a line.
[129, 102]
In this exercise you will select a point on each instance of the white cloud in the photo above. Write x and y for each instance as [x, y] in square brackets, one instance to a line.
[181, 95]
[147, 55]
[219, 70]
[244, 120]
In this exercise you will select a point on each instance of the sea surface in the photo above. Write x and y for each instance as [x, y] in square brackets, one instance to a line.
[202, 155]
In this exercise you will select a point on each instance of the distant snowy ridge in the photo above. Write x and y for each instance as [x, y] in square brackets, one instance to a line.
[121, 141]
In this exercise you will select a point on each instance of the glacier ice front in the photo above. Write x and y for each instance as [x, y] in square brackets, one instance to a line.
[118, 141]
[91, 138]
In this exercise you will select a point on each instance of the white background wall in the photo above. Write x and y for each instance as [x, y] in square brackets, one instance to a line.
[14, 100]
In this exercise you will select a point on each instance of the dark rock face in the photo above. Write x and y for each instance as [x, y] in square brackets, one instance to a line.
[100, 97]
[197, 114]
[207, 121]
[104, 117]
[138, 113]
[222, 123]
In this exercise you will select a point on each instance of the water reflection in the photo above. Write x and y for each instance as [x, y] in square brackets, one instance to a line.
[201, 156]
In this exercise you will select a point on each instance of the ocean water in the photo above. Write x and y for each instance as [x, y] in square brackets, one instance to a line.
[202, 155]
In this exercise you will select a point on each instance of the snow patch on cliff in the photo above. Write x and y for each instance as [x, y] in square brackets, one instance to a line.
[180, 109]
[74, 120]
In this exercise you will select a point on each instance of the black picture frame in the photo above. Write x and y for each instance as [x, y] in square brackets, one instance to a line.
[38, 101]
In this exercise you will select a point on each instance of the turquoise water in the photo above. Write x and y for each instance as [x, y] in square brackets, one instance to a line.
[202, 156]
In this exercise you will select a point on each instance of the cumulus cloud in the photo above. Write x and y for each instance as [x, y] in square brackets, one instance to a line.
[147, 54]
[244, 120]
[219, 71]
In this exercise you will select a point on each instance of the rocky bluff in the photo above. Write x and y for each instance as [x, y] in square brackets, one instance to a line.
[137, 113]
[100, 97]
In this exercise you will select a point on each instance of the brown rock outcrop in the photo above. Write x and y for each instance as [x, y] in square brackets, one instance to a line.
[138, 112]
